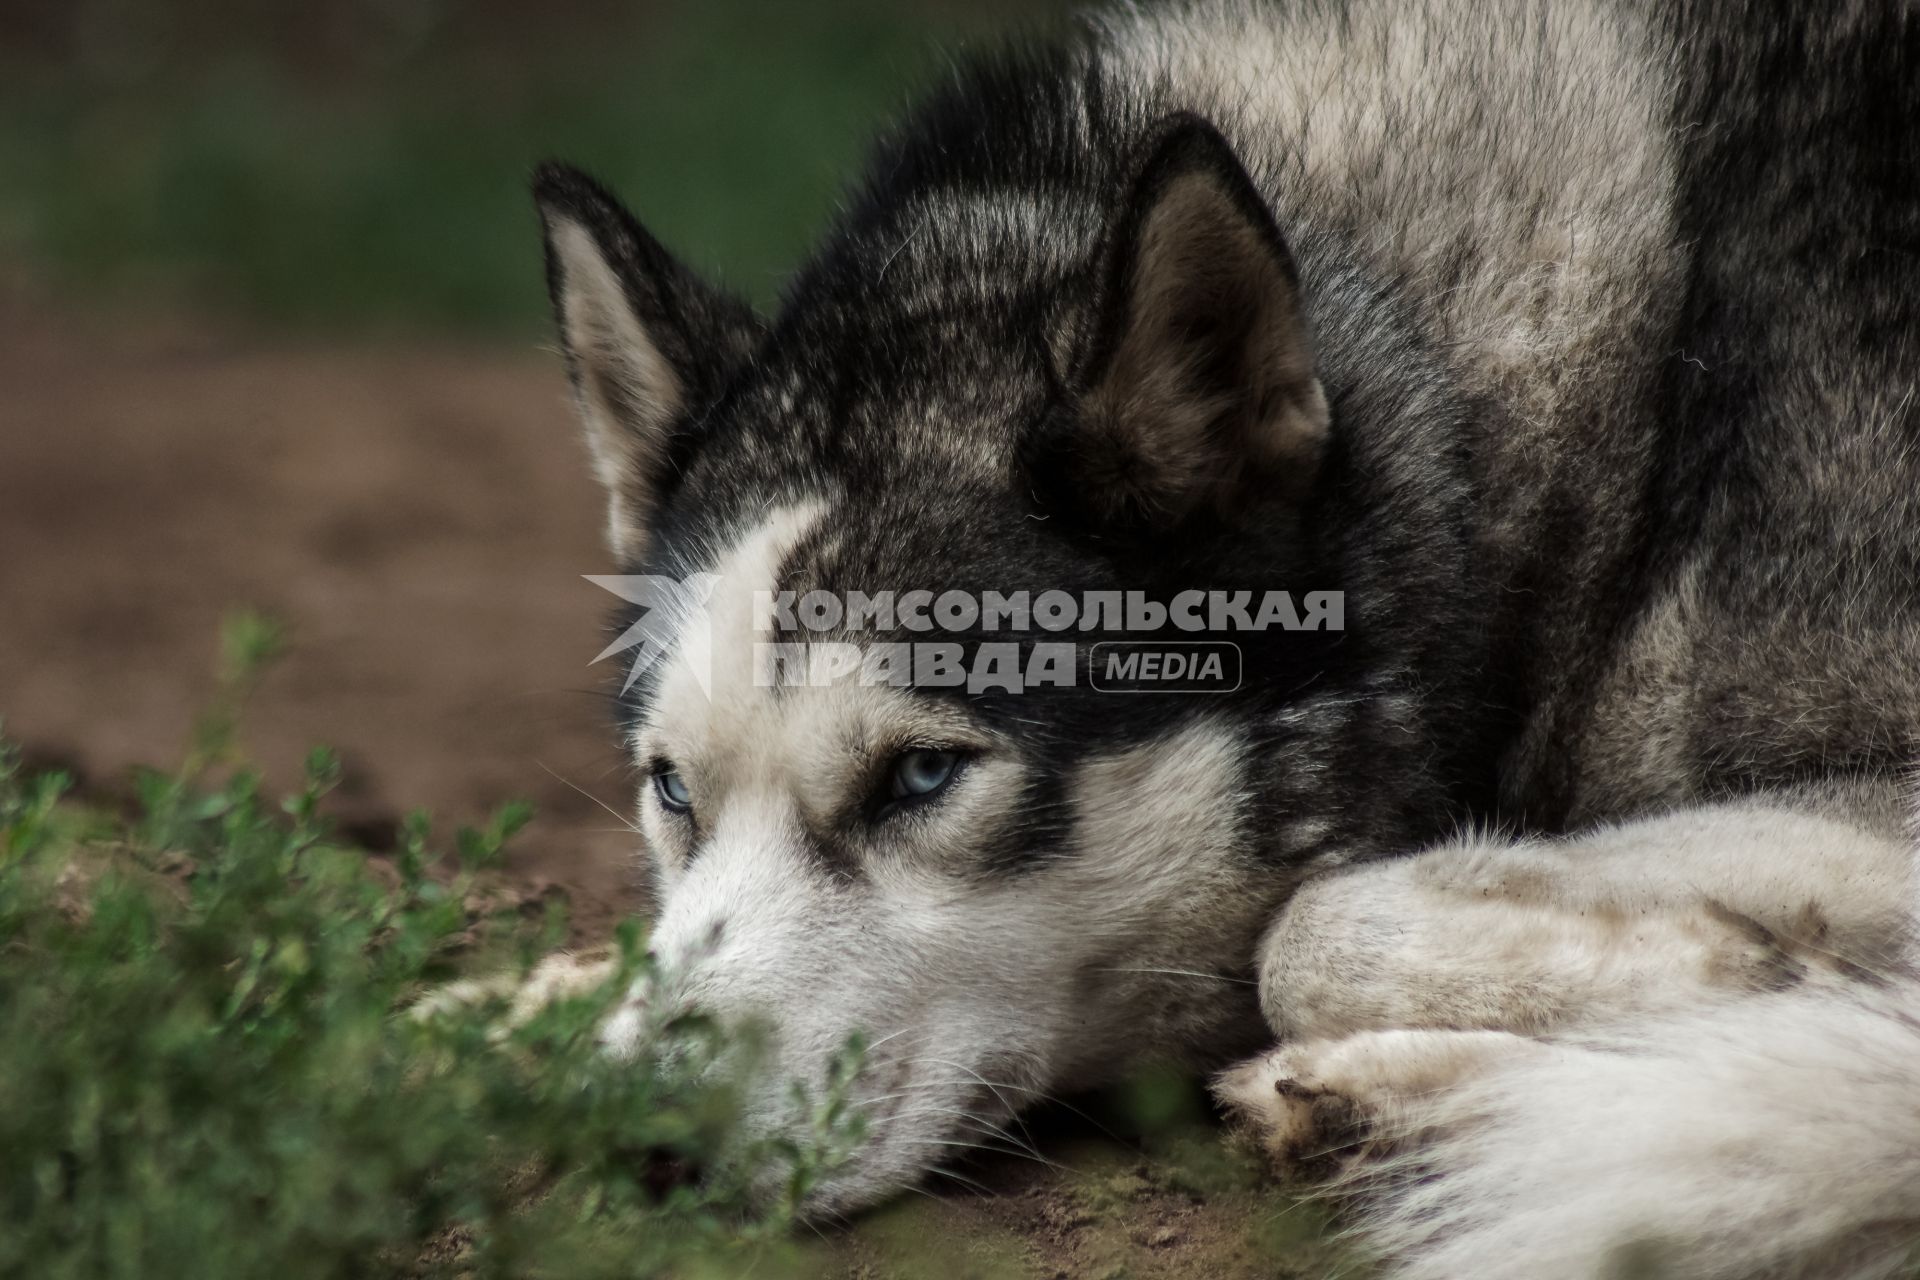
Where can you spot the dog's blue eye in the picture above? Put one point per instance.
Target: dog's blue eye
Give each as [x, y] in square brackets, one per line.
[919, 774]
[672, 789]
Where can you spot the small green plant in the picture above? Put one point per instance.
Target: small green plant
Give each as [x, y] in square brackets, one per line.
[210, 1067]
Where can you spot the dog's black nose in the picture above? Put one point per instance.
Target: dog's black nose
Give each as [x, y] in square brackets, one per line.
[662, 1170]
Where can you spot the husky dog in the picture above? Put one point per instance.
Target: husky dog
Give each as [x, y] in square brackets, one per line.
[1575, 344]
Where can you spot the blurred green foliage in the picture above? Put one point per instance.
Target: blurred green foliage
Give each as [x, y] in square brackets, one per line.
[362, 163]
[209, 1067]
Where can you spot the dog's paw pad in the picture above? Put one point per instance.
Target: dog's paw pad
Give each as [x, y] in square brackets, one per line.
[1305, 1126]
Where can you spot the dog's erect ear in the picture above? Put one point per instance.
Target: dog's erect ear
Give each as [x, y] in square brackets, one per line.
[648, 343]
[1190, 372]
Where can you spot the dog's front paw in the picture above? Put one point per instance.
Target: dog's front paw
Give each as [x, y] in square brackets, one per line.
[1307, 1126]
[555, 978]
[1320, 1106]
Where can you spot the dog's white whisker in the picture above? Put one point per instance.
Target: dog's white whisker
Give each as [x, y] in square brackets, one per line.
[981, 1188]
[1025, 1146]
[1183, 973]
[626, 824]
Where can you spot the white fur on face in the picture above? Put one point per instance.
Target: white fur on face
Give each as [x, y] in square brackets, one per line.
[784, 905]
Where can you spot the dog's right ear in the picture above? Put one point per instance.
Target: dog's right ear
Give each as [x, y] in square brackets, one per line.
[1190, 371]
[648, 343]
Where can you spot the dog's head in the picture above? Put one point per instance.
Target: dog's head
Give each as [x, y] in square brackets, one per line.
[1011, 885]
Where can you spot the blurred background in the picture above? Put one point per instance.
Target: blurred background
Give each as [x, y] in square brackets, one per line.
[273, 334]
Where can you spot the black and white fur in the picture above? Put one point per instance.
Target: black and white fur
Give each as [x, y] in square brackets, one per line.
[1576, 344]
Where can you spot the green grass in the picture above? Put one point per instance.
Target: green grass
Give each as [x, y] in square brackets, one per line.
[209, 1067]
[390, 192]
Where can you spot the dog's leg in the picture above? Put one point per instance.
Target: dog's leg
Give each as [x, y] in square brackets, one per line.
[1507, 937]
[1536, 935]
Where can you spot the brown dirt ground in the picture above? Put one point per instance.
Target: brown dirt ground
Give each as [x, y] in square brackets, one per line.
[420, 519]
[1178, 1207]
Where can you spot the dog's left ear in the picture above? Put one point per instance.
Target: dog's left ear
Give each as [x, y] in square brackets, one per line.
[1191, 372]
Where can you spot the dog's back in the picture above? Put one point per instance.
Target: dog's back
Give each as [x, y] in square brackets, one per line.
[1673, 253]
[1771, 630]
